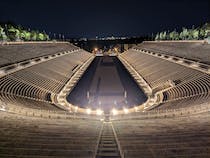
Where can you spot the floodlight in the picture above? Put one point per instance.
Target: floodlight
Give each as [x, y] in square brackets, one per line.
[88, 111]
[136, 108]
[125, 110]
[99, 112]
[75, 108]
[114, 112]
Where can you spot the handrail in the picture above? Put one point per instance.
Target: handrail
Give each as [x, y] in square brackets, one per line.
[117, 140]
[98, 140]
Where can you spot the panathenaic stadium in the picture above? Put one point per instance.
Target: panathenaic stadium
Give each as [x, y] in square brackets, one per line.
[59, 101]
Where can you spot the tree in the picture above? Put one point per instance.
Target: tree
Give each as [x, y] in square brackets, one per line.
[190, 34]
[174, 35]
[202, 33]
[184, 34]
[157, 37]
[34, 35]
[13, 33]
[46, 37]
[195, 34]
[23, 35]
[161, 36]
[40, 37]
[3, 36]
[164, 35]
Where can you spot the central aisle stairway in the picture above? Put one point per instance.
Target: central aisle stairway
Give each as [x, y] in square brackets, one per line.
[108, 146]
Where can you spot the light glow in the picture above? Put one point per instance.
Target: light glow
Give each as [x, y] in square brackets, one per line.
[2, 108]
[136, 108]
[75, 108]
[114, 112]
[99, 112]
[88, 111]
[125, 110]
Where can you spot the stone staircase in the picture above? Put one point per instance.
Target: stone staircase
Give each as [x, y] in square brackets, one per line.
[108, 147]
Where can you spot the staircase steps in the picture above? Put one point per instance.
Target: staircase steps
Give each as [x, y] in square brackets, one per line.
[108, 147]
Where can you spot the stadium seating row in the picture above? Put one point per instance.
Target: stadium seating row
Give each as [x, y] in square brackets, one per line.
[45, 134]
[176, 82]
[168, 137]
[13, 53]
[23, 137]
[182, 49]
[43, 81]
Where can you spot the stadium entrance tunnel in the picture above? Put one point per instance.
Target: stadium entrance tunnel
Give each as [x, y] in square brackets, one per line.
[105, 85]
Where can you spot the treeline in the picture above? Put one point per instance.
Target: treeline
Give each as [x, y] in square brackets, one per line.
[193, 33]
[10, 32]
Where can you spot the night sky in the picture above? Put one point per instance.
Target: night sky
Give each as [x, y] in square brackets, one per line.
[90, 18]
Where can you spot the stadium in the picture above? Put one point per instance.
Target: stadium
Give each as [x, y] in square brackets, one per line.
[147, 99]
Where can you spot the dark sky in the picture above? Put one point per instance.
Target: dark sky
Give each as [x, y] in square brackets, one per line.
[90, 18]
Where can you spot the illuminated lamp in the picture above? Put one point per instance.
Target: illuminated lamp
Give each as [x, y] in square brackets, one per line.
[114, 112]
[99, 112]
[136, 108]
[88, 111]
[75, 108]
[125, 110]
